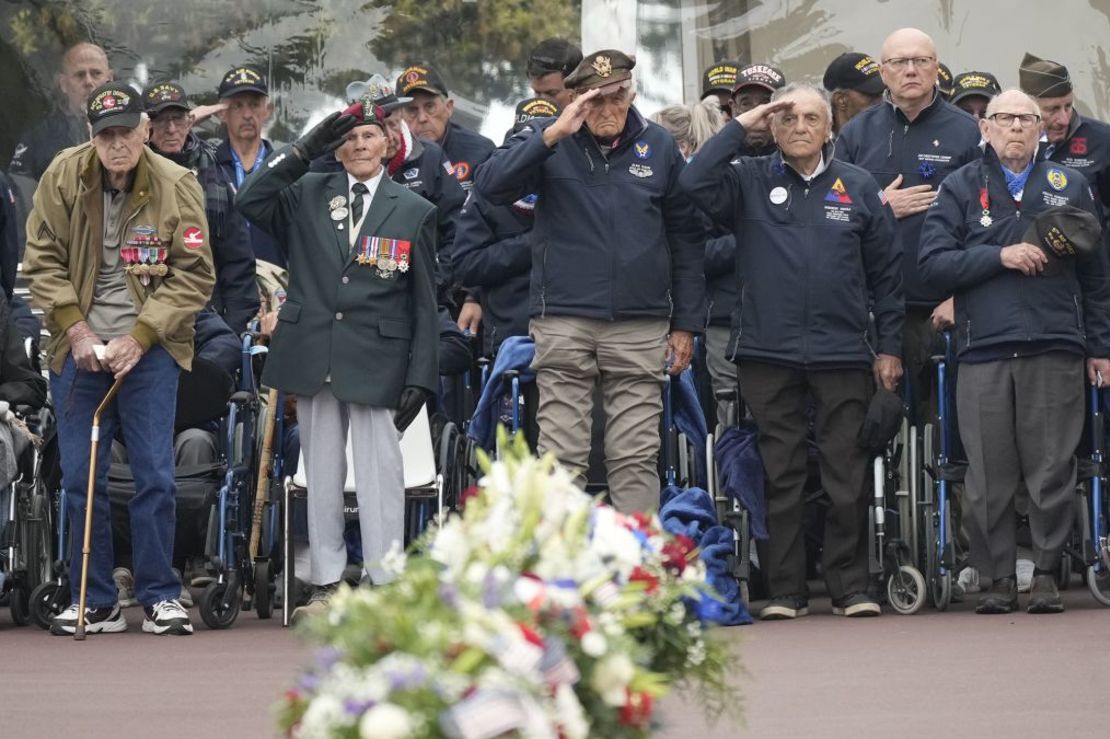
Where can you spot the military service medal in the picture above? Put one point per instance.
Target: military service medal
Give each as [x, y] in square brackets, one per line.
[389, 256]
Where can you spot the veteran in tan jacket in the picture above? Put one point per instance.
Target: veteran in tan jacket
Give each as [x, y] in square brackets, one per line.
[118, 259]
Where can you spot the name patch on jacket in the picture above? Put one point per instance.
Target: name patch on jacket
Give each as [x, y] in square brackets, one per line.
[389, 256]
[640, 170]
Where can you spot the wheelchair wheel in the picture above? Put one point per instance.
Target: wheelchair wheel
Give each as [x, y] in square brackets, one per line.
[905, 590]
[19, 603]
[219, 604]
[1099, 585]
[942, 591]
[1063, 572]
[263, 589]
[47, 601]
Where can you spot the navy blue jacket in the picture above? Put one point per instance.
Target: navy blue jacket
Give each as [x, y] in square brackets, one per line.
[493, 255]
[939, 141]
[1087, 149]
[1068, 302]
[454, 349]
[263, 245]
[813, 256]
[235, 296]
[9, 237]
[615, 238]
[466, 150]
[215, 342]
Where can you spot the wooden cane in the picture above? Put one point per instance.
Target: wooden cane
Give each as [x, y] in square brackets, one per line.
[262, 490]
[86, 548]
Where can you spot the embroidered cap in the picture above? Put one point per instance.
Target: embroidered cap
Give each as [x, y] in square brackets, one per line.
[113, 104]
[602, 69]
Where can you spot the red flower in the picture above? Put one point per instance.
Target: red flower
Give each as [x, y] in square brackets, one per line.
[530, 635]
[580, 622]
[470, 492]
[641, 575]
[642, 520]
[636, 712]
[292, 696]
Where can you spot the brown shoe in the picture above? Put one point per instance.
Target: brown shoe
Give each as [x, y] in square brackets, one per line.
[317, 603]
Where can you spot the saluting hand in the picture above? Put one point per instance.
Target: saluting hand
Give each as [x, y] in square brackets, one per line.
[570, 120]
[908, 201]
[759, 117]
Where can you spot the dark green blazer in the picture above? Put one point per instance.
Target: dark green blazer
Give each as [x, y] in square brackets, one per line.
[372, 335]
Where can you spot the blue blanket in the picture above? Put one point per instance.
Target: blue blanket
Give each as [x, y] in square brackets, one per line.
[740, 473]
[690, 420]
[516, 353]
[690, 511]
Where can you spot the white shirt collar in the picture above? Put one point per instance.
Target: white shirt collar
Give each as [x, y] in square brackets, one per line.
[371, 184]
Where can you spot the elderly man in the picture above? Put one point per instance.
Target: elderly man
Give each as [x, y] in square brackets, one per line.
[617, 282]
[1027, 315]
[854, 83]
[356, 338]
[84, 67]
[429, 116]
[235, 298]
[971, 91]
[548, 66]
[1074, 140]
[909, 144]
[247, 107]
[118, 254]
[816, 247]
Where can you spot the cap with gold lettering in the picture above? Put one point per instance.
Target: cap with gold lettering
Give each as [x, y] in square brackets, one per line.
[602, 69]
[243, 79]
[421, 77]
[968, 84]
[718, 77]
[531, 108]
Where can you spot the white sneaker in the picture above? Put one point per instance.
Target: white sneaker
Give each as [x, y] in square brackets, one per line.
[125, 585]
[969, 580]
[97, 621]
[1024, 575]
[167, 617]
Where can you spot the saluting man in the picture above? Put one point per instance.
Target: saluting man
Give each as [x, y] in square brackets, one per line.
[356, 338]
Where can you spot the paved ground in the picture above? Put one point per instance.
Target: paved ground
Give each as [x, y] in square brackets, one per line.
[934, 674]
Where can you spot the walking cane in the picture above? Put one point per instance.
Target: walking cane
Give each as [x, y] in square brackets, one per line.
[261, 493]
[79, 633]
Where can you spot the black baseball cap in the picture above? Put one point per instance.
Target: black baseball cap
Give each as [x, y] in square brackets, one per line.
[944, 80]
[531, 108]
[967, 84]
[157, 98]
[719, 77]
[243, 79]
[761, 75]
[421, 77]
[854, 71]
[554, 55]
[113, 104]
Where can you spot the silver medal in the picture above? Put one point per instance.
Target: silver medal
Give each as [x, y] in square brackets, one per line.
[339, 214]
[986, 221]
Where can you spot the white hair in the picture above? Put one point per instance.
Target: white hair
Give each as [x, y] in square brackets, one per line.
[794, 87]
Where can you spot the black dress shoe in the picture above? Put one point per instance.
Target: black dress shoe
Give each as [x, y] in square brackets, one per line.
[1043, 595]
[1001, 598]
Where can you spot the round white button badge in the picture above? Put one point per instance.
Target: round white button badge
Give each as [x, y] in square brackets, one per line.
[778, 195]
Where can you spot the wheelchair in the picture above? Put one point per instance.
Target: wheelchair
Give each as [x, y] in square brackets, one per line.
[1089, 545]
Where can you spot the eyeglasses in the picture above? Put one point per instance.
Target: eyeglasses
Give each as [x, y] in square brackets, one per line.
[1025, 120]
[902, 62]
[165, 119]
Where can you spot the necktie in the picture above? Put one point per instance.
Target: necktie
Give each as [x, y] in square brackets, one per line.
[357, 191]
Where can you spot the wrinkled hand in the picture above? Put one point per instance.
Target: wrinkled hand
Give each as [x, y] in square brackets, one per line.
[325, 136]
[412, 400]
[82, 345]
[944, 315]
[908, 201]
[1025, 258]
[122, 354]
[759, 117]
[470, 318]
[887, 370]
[570, 120]
[1098, 371]
[680, 350]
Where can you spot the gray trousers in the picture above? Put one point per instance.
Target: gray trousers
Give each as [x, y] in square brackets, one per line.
[628, 355]
[379, 482]
[721, 371]
[1020, 419]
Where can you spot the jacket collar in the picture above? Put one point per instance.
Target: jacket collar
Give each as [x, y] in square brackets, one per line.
[780, 166]
[634, 127]
[92, 173]
[936, 104]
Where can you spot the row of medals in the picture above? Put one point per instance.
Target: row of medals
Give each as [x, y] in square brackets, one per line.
[386, 267]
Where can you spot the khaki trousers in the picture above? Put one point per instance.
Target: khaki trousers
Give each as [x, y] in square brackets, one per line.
[627, 356]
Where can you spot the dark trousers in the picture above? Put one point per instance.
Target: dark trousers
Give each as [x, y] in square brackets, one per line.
[777, 396]
[1021, 419]
[144, 412]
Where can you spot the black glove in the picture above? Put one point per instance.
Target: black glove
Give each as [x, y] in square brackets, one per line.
[412, 400]
[325, 136]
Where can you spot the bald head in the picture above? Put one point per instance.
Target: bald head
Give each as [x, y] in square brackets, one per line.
[84, 68]
[1012, 101]
[1012, 128]
[909, 69]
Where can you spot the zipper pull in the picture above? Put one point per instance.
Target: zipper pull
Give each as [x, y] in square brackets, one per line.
[606, 167]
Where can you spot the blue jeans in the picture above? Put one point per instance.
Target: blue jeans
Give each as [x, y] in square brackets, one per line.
[144, 411]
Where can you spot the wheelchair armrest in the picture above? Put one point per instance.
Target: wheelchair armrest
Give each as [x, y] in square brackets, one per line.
[510, 375]
[484, 361]
[724, 395]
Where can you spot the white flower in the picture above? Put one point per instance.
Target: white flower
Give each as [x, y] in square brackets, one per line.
[594, 644]
[611, 677]
[569, 714]
[451, 546]
[696, 654]
[386, 721]
[323, 718]
[393, 561]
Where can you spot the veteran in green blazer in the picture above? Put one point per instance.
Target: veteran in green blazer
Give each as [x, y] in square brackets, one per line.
[357, 336]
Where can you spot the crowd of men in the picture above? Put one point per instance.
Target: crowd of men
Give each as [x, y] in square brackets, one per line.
[817, 237]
